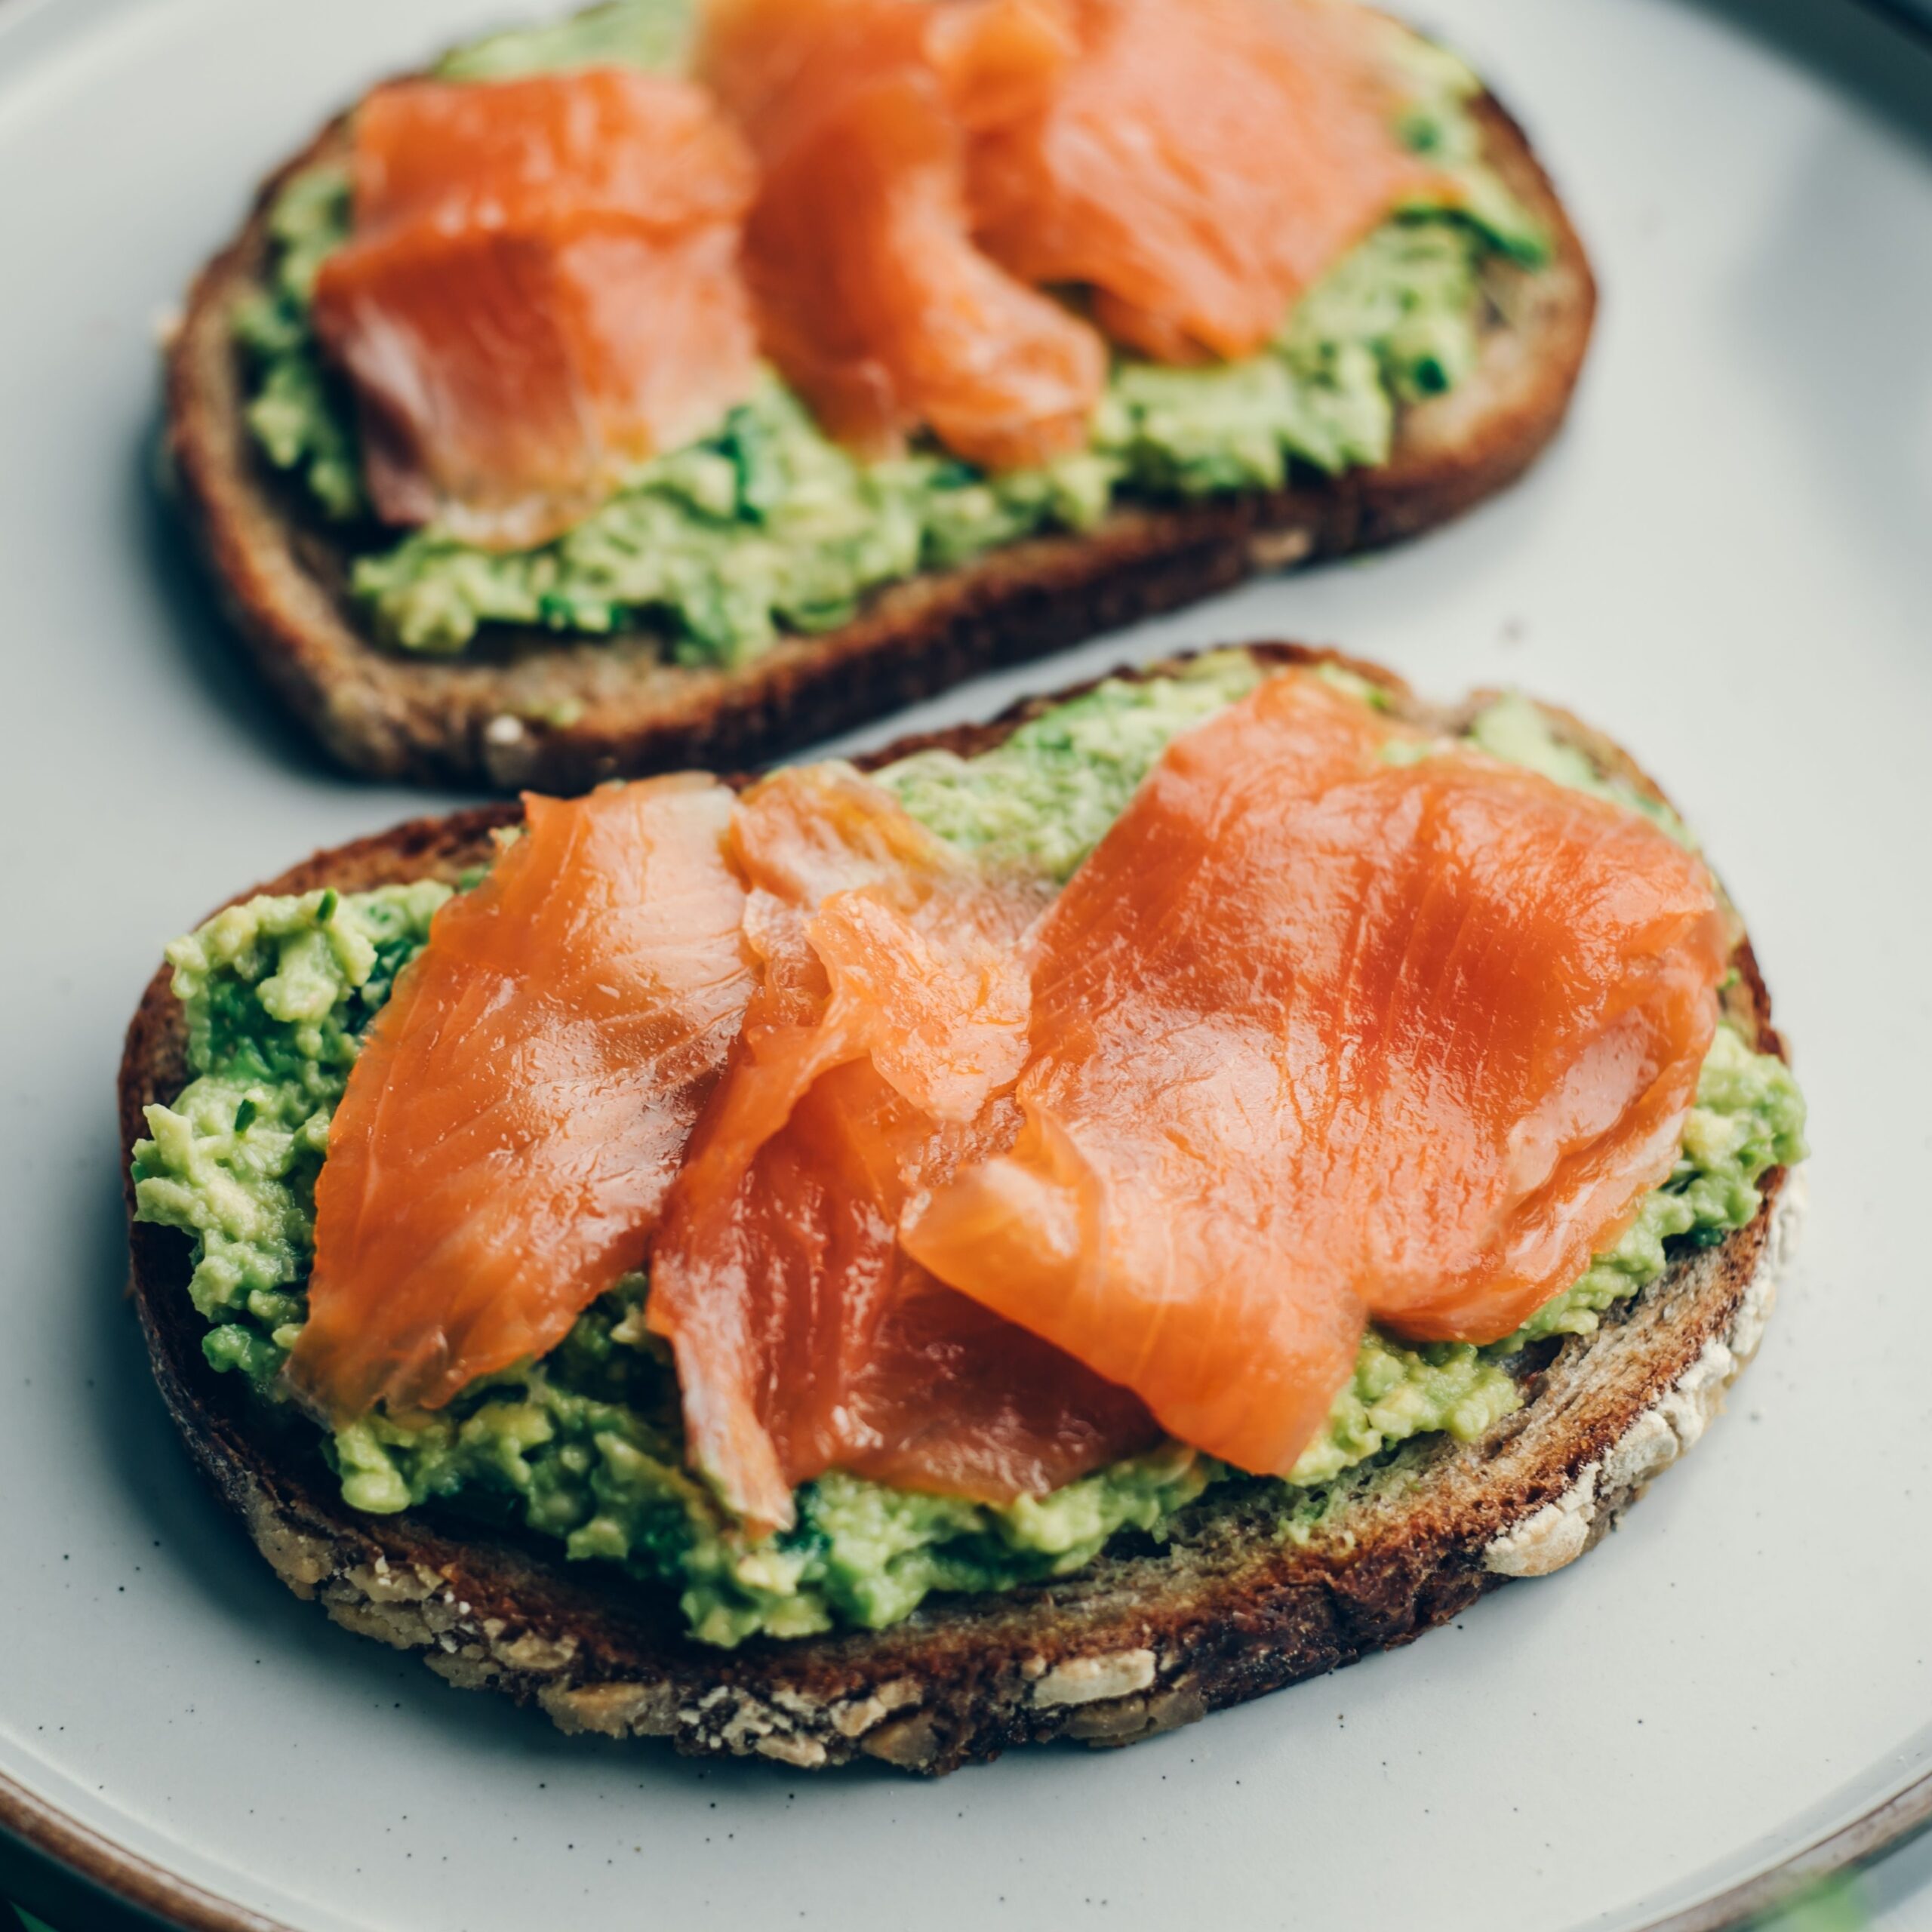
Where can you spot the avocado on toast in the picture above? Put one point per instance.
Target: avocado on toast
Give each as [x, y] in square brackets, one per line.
[1430, 369]
[1450, 1473]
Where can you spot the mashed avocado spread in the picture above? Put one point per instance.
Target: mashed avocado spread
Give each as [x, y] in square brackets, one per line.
[767, 525]
[586, 1445]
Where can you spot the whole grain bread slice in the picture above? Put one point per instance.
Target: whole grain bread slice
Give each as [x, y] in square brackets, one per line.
[282, 570]
[1149, 1637]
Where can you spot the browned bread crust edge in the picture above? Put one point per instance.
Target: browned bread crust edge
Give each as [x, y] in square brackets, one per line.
[281, 572]
[1147, 1637]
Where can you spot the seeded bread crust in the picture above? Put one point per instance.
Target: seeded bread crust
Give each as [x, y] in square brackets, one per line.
[281, 570]
[1149, 1637]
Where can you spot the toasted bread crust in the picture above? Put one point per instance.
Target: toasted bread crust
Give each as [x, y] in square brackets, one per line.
[282, 572]
[1147, 1637]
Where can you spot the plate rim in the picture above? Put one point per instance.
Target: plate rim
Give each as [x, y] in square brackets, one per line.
[81, 1852]
[134, 1879]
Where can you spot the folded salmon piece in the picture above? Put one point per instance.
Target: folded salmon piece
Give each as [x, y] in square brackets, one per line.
[522, 1101]
[542, 289]
[873, 299]
[1197, 166]
[945, 1182]
[1315, 1036]
[890, 1012]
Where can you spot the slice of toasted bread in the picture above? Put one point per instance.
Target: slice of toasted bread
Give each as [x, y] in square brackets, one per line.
[1147, 1637]
[283, 572]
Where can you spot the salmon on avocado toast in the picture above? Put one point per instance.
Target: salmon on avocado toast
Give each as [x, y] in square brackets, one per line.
[541, 290]
[1077, 1222]
[667, 384]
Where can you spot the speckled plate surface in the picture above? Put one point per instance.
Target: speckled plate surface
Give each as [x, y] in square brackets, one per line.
[1727, 564]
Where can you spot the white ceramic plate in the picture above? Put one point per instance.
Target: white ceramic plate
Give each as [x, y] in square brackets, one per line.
[1728, 563]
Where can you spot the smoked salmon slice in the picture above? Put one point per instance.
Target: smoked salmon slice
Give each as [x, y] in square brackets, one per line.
[930, 166]
[891, 1010]
[872, 297]
[1315, 1036]
[542, 289]
[949, 1183]
[1197, 163]
[512, 1123]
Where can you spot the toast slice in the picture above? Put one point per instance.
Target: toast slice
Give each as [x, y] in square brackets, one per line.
[1149, 1637]
[282, 570]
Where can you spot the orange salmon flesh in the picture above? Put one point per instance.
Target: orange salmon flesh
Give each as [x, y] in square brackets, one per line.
[938, 219]
[542, 289]
[943, 1180]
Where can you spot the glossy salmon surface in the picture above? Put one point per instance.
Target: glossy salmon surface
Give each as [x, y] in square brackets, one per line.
[891, 1011]
[873, 298]
[521, 1102]
[1315, 1036]
[1179, 174]
[946, 1181]
[932, 215]
[1196, 166]
[542, 288]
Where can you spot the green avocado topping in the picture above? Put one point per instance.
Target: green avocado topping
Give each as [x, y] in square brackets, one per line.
[586, 1445]
[1042, 800]
[767, 525]
[653, 34]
